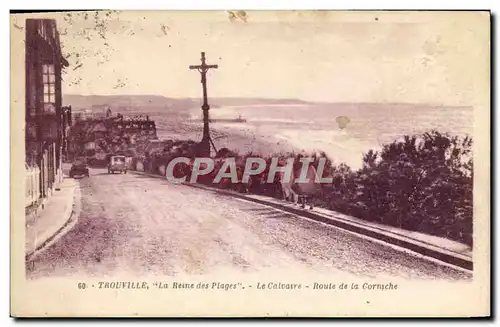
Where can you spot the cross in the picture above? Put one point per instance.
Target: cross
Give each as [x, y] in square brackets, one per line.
[206, 140]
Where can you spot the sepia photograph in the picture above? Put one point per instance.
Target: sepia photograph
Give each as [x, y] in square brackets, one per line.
[250, 163]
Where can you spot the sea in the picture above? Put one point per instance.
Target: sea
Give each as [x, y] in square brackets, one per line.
[345, 131]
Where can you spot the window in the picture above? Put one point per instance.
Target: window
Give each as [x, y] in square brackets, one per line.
[49, 89]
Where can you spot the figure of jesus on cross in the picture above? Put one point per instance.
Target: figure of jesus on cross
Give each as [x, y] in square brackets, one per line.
[206, 140]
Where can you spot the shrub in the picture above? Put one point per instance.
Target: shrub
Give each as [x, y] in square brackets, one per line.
[421, 183]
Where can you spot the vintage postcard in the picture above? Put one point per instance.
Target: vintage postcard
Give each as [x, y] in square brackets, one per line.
[250, 164]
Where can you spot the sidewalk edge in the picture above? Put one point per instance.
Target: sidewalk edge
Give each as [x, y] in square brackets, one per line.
[401, 241]
[72, 218]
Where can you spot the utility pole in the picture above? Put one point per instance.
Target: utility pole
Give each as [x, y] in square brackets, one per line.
[206, 140]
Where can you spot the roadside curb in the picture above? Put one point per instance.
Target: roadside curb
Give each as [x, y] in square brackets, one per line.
[70, 212]
[411, 244]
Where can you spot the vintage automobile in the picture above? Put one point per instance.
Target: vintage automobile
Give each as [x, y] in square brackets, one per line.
[79, 168]
[117, 163]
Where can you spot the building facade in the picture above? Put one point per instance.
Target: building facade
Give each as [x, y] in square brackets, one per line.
[46, 120]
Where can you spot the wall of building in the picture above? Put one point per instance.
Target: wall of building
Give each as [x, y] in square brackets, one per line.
[44, 116]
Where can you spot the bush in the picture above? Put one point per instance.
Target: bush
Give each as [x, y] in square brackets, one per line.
[422, 183]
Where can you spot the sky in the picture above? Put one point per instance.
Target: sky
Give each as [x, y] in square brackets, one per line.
[439, 58]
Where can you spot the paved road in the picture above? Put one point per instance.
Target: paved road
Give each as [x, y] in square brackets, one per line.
[138, 225]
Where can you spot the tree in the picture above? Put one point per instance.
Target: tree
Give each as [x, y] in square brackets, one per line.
[421, 183]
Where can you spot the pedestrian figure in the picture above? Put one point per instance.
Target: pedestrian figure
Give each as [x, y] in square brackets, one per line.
[307, 190]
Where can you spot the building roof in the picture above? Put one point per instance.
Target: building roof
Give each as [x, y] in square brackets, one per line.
[46, 31]
[100, 127]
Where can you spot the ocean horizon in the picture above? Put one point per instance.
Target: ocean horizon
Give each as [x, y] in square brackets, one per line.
[315, 127]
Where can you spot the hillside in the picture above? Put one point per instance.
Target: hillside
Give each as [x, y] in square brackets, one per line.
[156, 103]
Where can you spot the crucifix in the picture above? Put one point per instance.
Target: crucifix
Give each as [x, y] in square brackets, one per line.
[206, 140]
